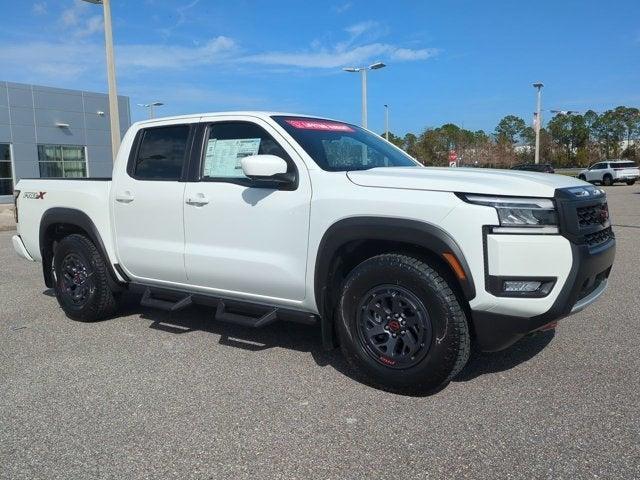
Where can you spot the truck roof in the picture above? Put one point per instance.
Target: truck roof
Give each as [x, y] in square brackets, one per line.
[252, 113]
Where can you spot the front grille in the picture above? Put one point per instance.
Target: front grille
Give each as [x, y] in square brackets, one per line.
[592, 215]
[596, 238]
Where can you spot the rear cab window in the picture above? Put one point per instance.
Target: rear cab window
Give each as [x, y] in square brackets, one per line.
[160, 153]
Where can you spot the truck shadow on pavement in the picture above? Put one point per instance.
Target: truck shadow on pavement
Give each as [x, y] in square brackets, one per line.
[306, 338]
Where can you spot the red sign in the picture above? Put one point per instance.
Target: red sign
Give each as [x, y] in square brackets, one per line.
[453, 156]
[320, 125]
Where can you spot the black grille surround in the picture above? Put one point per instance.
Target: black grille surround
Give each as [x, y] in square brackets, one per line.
[583, 221]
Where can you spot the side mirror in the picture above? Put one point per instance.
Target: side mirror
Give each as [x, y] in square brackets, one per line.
[264, 167]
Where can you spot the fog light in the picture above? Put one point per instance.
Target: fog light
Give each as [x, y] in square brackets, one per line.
[521, 286]
[528, 287]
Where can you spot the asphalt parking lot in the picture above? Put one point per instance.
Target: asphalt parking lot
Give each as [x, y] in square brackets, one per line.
[154, 395]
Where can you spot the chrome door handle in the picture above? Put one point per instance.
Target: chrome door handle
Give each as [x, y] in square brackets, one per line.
[198, 200]
[125, 197]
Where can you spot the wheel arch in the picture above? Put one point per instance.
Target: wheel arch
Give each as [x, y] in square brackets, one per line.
[350, 241]
[57, 223]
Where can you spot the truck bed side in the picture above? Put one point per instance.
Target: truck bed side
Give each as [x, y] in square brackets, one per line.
[39, 196]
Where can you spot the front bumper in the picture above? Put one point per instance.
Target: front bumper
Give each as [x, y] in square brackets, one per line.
[586, 228]
[586, 282]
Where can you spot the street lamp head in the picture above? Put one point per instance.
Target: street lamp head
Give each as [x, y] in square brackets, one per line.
[538, 85]
[157, 104]
[351, 69]
[97, 2]
[376, 66]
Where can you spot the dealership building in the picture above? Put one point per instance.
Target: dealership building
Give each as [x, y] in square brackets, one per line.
[54, 133]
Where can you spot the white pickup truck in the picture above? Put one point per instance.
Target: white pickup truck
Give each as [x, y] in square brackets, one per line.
[271, 217]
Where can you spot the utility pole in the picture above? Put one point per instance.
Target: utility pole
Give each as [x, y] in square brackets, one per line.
[114, 115]
[363, 75]
[386, 122]
[538, 124]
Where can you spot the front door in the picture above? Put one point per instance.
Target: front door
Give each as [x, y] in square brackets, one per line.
[147, 201]
[243, 239]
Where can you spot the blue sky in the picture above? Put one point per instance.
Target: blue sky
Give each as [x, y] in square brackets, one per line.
[468, 62]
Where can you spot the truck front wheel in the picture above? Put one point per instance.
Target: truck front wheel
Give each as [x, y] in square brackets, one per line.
[81, 283]
[401, 326]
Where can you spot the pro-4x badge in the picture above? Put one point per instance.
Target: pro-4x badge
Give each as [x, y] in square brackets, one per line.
[35, 195]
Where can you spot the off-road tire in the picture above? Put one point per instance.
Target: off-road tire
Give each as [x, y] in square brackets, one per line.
[448, 349]
[100, 301]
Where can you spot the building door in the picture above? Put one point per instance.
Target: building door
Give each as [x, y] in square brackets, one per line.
[6, 172]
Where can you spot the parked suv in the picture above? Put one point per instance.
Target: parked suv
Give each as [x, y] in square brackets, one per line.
[534, 167]
[270, 217]
[611, 171]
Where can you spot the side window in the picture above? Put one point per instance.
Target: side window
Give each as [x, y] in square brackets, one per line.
[161, 153]
[229, 142]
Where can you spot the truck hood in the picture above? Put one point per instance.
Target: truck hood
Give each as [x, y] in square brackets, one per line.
[466, 180]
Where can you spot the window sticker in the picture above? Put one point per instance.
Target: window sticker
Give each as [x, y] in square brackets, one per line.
[223, 157]
[320, 125]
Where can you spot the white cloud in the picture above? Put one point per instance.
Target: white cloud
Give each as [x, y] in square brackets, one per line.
[217, 49]
[343, 7]
[76, 22]
[358, 29]
[39, 8]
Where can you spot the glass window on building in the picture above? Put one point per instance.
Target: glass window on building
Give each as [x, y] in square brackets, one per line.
[6, 178]
[62, 161]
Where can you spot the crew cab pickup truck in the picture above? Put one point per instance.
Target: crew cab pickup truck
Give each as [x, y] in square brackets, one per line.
[271, 217]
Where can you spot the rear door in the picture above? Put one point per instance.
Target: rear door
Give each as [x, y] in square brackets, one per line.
[147, 203]
[245, 239]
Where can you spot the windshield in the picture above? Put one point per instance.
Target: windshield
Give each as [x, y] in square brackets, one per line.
[339, 147]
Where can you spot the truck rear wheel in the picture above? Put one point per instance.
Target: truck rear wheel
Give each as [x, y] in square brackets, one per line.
[81, 283]
[401, 326]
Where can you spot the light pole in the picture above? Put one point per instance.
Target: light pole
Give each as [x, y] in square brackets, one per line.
[151, 106]
[114, 116]
[363, 73]
[538, 86]
[386, 122]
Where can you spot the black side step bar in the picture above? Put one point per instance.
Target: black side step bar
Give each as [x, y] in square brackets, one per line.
[246, 321]
[167, 305]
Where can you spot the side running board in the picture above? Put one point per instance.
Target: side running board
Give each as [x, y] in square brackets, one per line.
[245, 320]
[167, 305]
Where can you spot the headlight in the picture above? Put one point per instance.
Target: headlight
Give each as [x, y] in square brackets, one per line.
[519, 212]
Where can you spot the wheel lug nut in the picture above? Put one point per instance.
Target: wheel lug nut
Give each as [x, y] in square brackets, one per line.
[393, 335]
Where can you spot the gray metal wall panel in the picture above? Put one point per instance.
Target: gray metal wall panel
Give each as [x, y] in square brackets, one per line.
[21, 116]
[101, 169]
[5, 134]
[98, 137]
[99, 154]
[19, 97]
[4, 102]
[23, 134]
[58, 101]
[61, 136]
[4, 115]
[49, 118]
[96, 122]
[94, 103]
[25, 160]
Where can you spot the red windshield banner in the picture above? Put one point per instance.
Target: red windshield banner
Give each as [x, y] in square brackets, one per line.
[320, 125]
